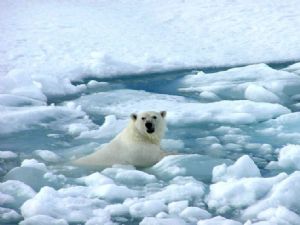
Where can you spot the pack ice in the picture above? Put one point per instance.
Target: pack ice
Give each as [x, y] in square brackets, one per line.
[227, 73]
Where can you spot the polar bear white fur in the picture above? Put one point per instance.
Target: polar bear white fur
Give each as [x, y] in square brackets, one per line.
[138, 144]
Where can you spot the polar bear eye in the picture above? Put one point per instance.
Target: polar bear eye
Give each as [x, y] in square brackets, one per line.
[143, 118]
[154, 117]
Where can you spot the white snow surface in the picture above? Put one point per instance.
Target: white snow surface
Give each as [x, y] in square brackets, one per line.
[45, 45]
[72, 72]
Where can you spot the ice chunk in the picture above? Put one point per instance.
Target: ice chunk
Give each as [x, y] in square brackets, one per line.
[180, 110]
[258, 93]
[177, 207]
[96, 84]
[283, 129]
[209, 96]
[99, 221]
[76, 129]
[181, 189]
[289, 157]
[111, 127]
[243, 167]
[112, 192]
[198, 166]
[14, 119]
[95, 179]
[34, 164]
[6, 199]
[43, 220]
[101, 217]
[8, 216]
[34, 177]
[147, 208]
[47, 155]
[162, 221]
[17, 83]
[218, 220]
[279, 215]
[15, 192]
[129, 176]
[58, 205]
[162, 42]
[135, 177]
[172, 145]
[258, 83]
[294, 68]
[117, 210]
[235, 194]
[194, 214]
[15, 100]
[7, 155]
[284, 193]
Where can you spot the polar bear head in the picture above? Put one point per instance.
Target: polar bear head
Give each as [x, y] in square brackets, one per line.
[150, 124]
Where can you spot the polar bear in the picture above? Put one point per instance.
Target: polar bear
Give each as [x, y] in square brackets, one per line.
[138, 144]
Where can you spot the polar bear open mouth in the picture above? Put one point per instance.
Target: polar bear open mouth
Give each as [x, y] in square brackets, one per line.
[150, 131]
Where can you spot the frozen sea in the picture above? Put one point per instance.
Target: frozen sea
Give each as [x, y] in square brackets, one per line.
[227, 73]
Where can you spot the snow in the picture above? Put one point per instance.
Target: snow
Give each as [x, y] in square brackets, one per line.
[44, 51]
[227, 73]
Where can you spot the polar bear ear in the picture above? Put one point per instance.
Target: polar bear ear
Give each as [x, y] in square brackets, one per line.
[163, 114]
[133, 116]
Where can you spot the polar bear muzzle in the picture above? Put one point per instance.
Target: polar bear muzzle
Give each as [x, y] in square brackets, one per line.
[150, 127]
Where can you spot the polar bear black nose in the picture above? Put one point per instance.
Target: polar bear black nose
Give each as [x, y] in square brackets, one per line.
[148, 125]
